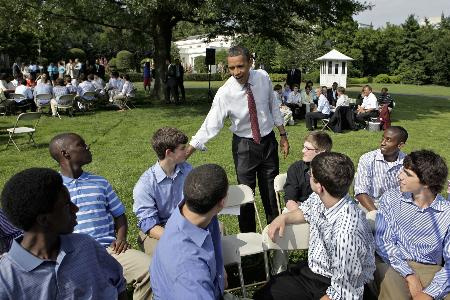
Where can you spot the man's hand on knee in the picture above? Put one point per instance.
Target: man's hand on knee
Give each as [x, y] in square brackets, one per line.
[414, 284]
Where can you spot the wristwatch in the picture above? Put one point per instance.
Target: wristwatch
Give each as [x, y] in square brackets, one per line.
[284, 134]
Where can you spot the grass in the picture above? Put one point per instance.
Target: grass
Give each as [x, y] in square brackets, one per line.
[121, 149]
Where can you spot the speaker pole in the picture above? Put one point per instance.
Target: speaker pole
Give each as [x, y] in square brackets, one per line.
[210, 94]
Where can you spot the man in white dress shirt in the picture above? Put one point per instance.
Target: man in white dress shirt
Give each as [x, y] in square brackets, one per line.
[341, 258]
[369, 108]
[247, 99]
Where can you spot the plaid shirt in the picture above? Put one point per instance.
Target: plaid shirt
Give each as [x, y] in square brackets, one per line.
[7, 233]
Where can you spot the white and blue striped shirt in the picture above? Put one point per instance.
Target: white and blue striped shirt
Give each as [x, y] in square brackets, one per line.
[98, 204]
[406, 232]
[375, 175]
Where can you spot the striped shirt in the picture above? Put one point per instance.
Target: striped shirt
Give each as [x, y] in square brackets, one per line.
[375, 175]
[406, 232]
[98, 206]
[82, 270]
[8, 233]
[341, 246]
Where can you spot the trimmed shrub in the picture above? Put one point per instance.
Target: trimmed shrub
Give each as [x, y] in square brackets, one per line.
[124, 60]
[276, 77]
[202, 77]
[199, 64]
[313, 76]
[382, 78]
[395, 79]
[113, 64]
[76, 53]
[362, 80]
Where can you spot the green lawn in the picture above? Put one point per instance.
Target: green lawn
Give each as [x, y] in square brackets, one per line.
[121, 149]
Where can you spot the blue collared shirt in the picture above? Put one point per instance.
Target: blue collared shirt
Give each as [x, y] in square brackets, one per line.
[188, 262]
[8, 233]
[405, 232]
[375, 175]
[323, 106]
[82, 270]
[98, 206]
[156, 195]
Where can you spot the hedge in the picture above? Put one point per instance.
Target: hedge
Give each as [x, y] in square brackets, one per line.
[76, 53]
[204, 76]
[382, 78]
[124, 60]
[313, 76]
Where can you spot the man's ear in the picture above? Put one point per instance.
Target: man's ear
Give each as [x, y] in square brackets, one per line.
[222, 203]
[65, 154]
[401, 145]
[42, 220]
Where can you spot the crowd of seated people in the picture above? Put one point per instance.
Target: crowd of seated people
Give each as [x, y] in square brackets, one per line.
[33, 82]
[70, 228]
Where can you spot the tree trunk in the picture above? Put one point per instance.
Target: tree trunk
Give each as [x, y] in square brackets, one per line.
[162, 39]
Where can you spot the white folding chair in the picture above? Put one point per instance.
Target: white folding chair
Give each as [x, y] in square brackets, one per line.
[325, 124]
[231, 256]
[248, 243]
[65, 102]
[17, 130]
[278, 185]
[295, 237]
[42, 100]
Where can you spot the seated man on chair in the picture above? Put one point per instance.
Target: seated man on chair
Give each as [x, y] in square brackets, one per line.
[412, 236]
[341, 246]
[369, 107]
[101, 214]
[297, 188]
[188, 262]
[378, 169]
[160, 189]
[321, 112]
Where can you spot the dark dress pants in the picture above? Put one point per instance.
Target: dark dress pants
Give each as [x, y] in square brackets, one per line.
[253, 161]
[298, 283]
[312, 117]
[180, 85]
[363, 117]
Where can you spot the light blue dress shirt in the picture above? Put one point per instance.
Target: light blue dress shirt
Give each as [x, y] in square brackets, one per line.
[405, 232]
[156, 195]
[323, 106]
[188, 262]
[82, 270]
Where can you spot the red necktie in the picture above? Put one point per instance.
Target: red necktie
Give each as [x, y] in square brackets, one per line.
[253, 115]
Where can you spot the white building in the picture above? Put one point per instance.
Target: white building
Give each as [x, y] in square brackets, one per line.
[333, 68]
[195, 46]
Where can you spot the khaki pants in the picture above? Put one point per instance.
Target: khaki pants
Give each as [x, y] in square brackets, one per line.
[135, 266]
[146, 243]
[391, 285]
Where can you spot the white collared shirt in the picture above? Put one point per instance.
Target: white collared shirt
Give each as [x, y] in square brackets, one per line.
[231, 101]
[341, 246]
[370, 102]
[323, 105]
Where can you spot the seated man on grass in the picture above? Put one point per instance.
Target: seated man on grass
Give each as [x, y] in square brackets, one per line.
[101, 213]
[322, 111]
[160, 189]
[412, 232]
[188, 262]
[341, 247]
[48, 261]
[297, 188]
[378, 169]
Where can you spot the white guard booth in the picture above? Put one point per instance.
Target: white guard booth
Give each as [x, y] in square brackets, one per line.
[333, 68]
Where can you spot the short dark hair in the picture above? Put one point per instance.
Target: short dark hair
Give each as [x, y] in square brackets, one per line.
[30, 193]
[429, 167]
[204, 187]
[401, 132]
[385, 89]
[295, 85]
[167, 138]
[335, 171]
[277, 87]
[341, 89]
[23, 82]
[58, 142]
[90, 76]
[320, 140]
[60, 81]
[115, 74]
[239, 50]
[126, 77]
[367, 86]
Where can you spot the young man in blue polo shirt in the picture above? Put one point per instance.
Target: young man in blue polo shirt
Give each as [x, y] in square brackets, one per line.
[48, 261]
[101, 213]
[188, 262]
[160, 189]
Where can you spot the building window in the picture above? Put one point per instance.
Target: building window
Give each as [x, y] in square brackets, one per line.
[330, 67]
[336, 69]
[343, 67]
